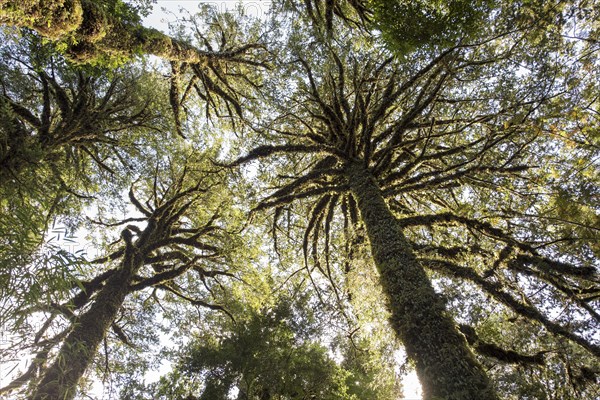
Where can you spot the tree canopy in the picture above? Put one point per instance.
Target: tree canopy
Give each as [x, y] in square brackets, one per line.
[301, 205]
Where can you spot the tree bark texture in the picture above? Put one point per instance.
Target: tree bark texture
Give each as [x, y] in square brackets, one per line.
[94, 32]
[445, 365]
[60, 380]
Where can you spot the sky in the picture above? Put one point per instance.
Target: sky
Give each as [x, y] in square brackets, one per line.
[162, 8]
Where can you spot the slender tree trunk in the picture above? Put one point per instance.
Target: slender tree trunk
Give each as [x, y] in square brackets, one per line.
[79, 348]
[97, 33]
[445, 365]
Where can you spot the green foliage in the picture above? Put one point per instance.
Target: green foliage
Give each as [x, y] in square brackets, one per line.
[409, 25]
[271, 353]
[478, 122]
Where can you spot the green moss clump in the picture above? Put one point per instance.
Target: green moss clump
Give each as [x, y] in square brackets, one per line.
[95, 24]
[54, 19]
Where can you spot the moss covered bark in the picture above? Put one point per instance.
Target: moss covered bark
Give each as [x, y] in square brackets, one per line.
[93, 34]
[445, 365]
[51, 18]
[79, 348]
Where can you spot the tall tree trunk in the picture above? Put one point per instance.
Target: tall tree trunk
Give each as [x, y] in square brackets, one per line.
[96, 32]
[79, 348]
[445, 365]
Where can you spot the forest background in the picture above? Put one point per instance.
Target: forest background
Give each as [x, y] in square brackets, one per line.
[307, 204]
